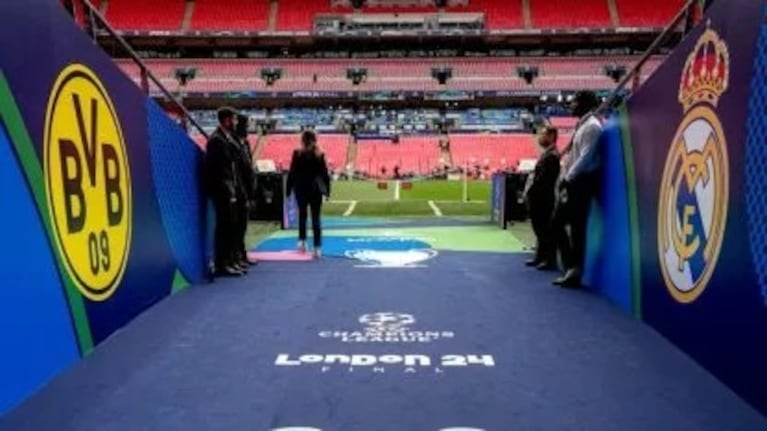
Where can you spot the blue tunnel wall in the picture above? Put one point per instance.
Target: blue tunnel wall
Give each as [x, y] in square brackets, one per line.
[678, 234]
[134, 185]
[717, 318]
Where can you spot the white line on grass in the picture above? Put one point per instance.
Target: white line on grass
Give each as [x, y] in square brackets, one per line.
[396, 190]
[435, 208]
[350, 210]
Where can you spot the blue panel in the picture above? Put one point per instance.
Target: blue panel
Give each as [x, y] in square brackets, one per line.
[36, 335]
[608, 258]
[176, 167]
[713, 307]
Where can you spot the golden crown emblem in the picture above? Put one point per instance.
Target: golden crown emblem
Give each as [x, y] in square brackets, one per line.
[706, 73]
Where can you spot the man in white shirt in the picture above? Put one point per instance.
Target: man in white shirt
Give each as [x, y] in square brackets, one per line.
[577, 187]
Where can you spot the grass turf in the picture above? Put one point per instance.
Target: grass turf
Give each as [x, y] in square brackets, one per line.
[447, 191]
[464, 209]
[360, 191]
[447, 195]
[393, 209]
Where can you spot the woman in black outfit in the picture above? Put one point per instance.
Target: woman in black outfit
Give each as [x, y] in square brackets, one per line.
[309, 180]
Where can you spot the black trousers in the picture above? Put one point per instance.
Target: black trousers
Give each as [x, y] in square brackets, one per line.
[573, 213]
[541, 219]
[225, 247]
[313, 204]
[242, 228]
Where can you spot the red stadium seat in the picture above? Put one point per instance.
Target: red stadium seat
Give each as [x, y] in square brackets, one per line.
[279, 148]
[413, 154]
[499, 14]
[567, 14]
[230, 15]
[146, 14]
[636, 13]
[298, 15]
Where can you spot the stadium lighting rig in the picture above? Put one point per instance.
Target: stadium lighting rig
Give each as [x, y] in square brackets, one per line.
[528, 73]
[270, 75]
[442, 74]
[185, 74]
[357, 75]
[616, 72]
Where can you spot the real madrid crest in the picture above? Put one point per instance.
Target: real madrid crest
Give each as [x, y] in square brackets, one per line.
[692, 212]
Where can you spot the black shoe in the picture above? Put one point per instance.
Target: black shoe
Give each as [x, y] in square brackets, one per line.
[545, 266]
[572, 283]
[533, 262]
[571, 279]
[229, 271]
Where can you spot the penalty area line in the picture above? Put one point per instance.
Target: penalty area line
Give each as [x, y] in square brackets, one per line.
[350, 209]
[435, 208]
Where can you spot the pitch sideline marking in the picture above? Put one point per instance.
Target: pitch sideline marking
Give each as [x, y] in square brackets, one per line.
[350, 209]
[435, 208]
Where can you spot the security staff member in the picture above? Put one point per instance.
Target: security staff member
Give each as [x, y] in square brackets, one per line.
[577, 187]
[541, 197]
[247, 191]
[222, 158]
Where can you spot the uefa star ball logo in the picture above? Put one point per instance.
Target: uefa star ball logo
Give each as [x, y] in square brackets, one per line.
[692, 211]
[387, 321]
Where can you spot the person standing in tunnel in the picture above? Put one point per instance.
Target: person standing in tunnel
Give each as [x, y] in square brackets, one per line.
[541, 196]
[309, 179]
[223, 181]
[577, 186]
[246, 191]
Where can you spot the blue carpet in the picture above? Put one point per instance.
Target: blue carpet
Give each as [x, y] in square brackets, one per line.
[562, 360]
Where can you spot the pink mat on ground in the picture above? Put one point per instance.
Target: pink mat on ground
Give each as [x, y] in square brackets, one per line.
[280, 256]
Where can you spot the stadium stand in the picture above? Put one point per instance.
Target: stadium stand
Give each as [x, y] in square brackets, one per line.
[230, 15]
[500, 14]
[299, 15]
[637, 13]
[386, 74]
[146, 14]
[413, 155]
[567, 14]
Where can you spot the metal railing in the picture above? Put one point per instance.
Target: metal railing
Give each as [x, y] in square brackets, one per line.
[146, 74]
[635, 71]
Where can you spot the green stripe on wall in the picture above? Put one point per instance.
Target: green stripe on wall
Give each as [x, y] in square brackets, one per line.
[25, 152]
[179, 282]
[628, 154]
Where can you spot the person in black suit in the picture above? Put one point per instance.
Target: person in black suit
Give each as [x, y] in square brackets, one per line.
[541, 197]
[224, 186]
[247, 191]
[310, 181]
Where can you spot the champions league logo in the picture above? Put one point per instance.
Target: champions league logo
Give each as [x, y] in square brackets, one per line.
[386, 327]
[692, 211]
[392, 258]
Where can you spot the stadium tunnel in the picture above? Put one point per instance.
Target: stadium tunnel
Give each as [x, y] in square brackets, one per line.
[415, 327]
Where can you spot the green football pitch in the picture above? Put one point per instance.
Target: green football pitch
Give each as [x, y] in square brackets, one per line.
[367, 199]
[433, 198]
